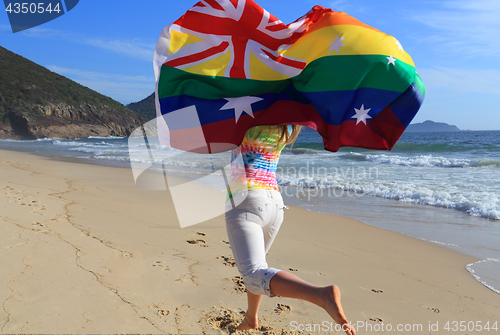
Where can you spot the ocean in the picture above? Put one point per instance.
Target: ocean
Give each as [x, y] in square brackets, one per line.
[440, 187]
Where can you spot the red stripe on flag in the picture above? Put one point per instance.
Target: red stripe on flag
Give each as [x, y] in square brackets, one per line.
[275, 28]
[293, 63]
[388, 125]
[350, 134]
[225, 135]
[239, 47]
[291, 111]
[235, 3]
[199, 56]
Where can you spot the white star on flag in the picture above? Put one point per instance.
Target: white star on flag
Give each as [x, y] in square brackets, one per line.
[241, 105]
[399, 45]
[362, 114]
[392, 60]
[336, 44]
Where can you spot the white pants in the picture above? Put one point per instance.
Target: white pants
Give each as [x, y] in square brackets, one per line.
[251, 228]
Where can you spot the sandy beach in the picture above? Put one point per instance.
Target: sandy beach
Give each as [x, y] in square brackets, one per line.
[84, 250]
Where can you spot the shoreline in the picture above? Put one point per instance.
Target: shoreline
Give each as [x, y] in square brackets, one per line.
[447, 227]
[85, 250]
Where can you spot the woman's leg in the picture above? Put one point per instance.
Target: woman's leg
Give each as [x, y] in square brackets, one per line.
[251, 235]
[251, 320]
[285, 284]
[248, 247]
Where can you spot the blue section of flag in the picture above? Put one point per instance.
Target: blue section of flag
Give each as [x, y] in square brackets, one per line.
[328, 104]
[338, 106]
[408, 105]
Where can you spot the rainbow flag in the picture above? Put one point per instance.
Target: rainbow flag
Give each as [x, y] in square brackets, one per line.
[228, 65]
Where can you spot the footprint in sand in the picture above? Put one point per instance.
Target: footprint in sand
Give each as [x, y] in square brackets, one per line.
[227, 261]
[281, 308]
[376, 320]
[159, 310]
[377, 291]
[161, 265]
[199, 234]
[225, 319]
[221, 321]
[228, 244]
[23, 201]
[201, 243]
[37, 208]
[163, 312]
[33, 203]
[268, 330]
[239, 285]
[435, 310]
[293, 270]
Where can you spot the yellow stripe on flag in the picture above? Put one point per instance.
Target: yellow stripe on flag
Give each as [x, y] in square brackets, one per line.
[214, 67]
[357, 40]
[260, 71]
[179, 40]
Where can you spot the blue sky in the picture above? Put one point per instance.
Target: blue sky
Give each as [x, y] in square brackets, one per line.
[108, 46]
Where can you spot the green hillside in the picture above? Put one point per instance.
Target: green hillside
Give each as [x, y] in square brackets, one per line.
[35, 101]
[146, 107]
[24, 83]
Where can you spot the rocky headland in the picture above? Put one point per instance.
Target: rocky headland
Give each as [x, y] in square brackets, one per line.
[37, 103]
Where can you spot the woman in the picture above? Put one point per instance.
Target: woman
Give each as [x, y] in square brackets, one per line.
[253, 224]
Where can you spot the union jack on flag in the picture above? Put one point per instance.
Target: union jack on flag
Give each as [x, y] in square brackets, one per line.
[237, 29]
[228, 65]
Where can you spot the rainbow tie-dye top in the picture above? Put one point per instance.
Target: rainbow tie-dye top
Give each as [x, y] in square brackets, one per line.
[260, 151]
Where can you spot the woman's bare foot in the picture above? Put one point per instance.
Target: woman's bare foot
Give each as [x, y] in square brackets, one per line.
[334, 308]
[248, 323]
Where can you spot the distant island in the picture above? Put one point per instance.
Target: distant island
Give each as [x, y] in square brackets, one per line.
[38, 103]
[430, 126]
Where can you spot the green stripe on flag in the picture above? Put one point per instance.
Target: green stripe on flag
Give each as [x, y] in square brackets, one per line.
[332, 73]
[419, 84]
[346, 73]
[175, 82]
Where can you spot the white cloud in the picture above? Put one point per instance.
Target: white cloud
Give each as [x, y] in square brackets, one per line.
[469, 27]
[99, 75]
[44, 32]
[122, 88]
[5, 29]
[132, 48]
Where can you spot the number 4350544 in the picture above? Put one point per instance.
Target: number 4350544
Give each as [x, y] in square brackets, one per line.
[32, 7]
[470, 326]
